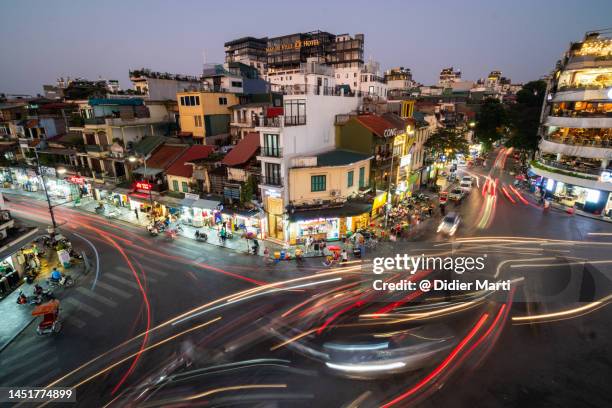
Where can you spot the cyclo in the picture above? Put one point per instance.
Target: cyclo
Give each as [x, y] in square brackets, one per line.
[50, 313]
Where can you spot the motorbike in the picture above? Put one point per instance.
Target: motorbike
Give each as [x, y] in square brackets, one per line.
[153, 231]
[201, 236]
[65, 281]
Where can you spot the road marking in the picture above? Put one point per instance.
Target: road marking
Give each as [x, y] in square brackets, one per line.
[114, 290]
[600, 233]
[97, 297]
[124, 281]
[149, 265]
[93, 285]
[85, 307]
[46, 378]
[76, 322]
[146, 272]
[38, 368]
[25, 354]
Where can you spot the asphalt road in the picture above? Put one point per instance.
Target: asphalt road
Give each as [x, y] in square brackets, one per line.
[146, 282]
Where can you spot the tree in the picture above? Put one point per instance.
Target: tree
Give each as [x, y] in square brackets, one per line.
[490, 122]
[524, 117]
[247, 190]
[447, 141]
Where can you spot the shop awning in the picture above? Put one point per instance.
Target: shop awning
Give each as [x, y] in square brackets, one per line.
[150, 171]
[349, 209]
[187, 202]
[205, 204]
[170, 202]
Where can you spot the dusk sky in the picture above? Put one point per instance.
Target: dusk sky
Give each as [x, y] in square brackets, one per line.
[42, 40]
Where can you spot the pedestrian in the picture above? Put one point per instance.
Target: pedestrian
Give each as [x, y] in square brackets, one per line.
[344, 256]
[136, 213]
[307, 243]
[430, 210]
[316, 246]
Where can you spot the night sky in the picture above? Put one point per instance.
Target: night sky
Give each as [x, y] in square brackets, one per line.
[42, 40]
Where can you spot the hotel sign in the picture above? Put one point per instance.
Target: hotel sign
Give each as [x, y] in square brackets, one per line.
[294, 45]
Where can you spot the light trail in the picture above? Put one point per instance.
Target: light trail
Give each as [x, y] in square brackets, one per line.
[443, 365]
[569, 313]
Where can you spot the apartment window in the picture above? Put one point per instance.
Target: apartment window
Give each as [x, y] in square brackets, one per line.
[349, 181]
[346, 76]
[236, 84]
[295, 112]
[371, 91]
[273, 174]
[271, 145]
[354, 75]
[197, 100]
[182, 101]
[175, 185]
[317, 183]
[361, 177]
[185, 187]
[198, 120]
[223, 101]
[192, 100]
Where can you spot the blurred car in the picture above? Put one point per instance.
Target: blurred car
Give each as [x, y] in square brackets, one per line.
[456, 194]
[449, 224]
[466, 183]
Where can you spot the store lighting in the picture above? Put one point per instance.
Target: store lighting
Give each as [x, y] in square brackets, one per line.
[61, 170]
[132, 159]
[610, 93]
[592, 196]
[550, 183]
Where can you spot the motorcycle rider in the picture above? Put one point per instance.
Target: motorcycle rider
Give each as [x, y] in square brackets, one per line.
[56, 275]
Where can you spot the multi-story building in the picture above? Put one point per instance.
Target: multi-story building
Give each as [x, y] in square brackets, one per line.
[399, 82]
[305, 126]
[112, 127]
[323, 195]
[234, 77]
[250, 51]
[575, 153]
[448, 76]
[159, 86]
[205, 115]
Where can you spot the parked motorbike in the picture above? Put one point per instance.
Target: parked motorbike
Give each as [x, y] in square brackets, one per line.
[201, 236]
[65, 281]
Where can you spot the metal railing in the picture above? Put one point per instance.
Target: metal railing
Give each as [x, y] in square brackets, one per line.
[272, 181]
[295, 120]
[579, 141]
[578, 168]
[270, 151]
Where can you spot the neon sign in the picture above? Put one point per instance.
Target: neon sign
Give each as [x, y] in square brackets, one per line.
[143, 185]
[77, 179]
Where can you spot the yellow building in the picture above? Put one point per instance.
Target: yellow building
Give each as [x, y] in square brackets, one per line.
[320, 188]
[205, 114]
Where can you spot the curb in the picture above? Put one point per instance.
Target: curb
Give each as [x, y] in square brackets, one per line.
[5, 345]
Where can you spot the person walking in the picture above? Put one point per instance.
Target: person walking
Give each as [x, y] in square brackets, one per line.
[136, 213]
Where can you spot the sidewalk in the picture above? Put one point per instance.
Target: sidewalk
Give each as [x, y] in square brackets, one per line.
[564, 208]
[15, 317]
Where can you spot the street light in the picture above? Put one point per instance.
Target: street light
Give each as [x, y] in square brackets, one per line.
[54, 224]
[60, 170]
[472, 124]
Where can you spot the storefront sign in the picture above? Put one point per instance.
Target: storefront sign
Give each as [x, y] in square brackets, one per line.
[379, 201]
[294, 45]
[77, 180]
[405, 160]
[47, 171]
[192, 196]
[605, 177]
[391, 132]
[143, 185]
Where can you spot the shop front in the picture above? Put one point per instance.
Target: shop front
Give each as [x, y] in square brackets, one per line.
[200, 213]
[246, 221]
[598, 202]
[21, 179]
[328, 224]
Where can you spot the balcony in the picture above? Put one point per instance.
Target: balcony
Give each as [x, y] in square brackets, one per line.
[269, 151]
[94, 121]
[569, 146]
[272, 181]
[295, 120]
[581, 122]
[546, 169]
[96, 151]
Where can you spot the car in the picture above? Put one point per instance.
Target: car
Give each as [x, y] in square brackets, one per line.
[449, 224]
[456, 194]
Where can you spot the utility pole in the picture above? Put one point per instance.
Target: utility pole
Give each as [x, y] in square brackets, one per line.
[45, 190]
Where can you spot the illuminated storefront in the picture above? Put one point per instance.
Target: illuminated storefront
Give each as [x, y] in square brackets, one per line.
[585, 199]
[200, 213]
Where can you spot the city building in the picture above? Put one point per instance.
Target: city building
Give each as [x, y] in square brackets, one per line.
[250, 51]
[385, 138]
[180, 174]
[243, 169]
[204, 115]
[448, 76]
[234, 77]
[304, 126]
[161, 86]
[574, 162]
[323, 195]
